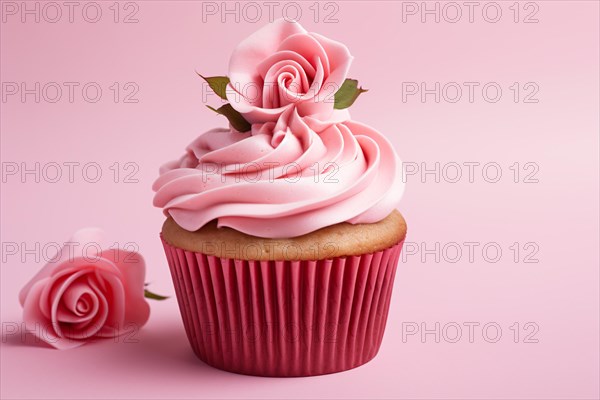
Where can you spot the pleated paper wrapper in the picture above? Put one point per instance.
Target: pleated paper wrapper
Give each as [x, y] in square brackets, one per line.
[284, 318]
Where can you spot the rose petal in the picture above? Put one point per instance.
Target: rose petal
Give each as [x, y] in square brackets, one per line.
[257, 47]
[307, 47]
[276, 93]
[111, 317]
[318, 102]
[73, 270]
[287, 56]
[339, 58]
[132, 266]
[88, 329]
[69, 311]
[54, 298]
[38, 324]
[69, 252]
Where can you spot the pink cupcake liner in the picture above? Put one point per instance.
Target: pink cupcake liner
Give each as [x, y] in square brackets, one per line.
[284, 318]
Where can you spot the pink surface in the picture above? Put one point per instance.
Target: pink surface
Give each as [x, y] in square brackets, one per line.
[548, 212]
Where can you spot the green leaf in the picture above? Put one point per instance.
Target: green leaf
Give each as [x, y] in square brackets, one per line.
[149, 295]
[347, 94]
[218, 84]
[236, 119]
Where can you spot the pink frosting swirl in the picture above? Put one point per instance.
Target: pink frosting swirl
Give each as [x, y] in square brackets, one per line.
[283, 179]
[282, 66]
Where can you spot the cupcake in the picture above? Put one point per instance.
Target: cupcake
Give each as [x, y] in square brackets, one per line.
[282, 234]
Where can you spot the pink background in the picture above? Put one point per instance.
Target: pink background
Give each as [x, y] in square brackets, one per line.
[160, 53]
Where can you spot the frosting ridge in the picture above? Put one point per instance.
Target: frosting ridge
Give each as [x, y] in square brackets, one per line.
[282, 179]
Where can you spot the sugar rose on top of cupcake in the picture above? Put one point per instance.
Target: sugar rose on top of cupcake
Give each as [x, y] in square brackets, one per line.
[283, 66]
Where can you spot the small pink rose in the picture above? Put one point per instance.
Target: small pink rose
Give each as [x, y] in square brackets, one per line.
[86, 292]
[282, 66]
